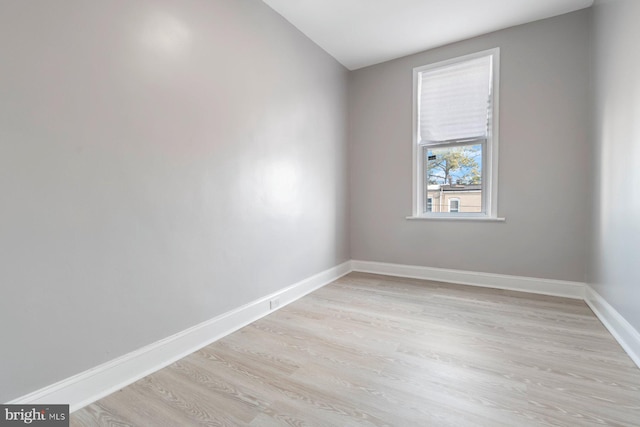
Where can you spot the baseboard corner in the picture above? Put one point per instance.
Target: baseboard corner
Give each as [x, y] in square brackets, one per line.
[627, 336]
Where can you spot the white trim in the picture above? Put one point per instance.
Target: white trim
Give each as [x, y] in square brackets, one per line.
[457, 218]
[559, 288]
[457, 200]
[626, 335]
[87, 387]
[490, 150]
[416, 185]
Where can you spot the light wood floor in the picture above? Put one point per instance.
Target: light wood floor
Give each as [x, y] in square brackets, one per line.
[372, 350]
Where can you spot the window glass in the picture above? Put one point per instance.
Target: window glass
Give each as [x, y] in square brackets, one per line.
[455, 142]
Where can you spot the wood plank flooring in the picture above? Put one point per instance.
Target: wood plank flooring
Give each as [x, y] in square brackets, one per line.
[372, 350]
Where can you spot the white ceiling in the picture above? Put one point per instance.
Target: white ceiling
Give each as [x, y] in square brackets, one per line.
[359, 33]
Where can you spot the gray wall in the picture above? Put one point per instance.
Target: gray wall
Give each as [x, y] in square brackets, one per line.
[614, 271]
[161, 162]
[543, 169]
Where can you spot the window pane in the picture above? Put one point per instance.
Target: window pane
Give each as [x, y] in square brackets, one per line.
[453, 178]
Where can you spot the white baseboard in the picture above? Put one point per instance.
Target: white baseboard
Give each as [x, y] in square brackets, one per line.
[626, 335]
[558, 288]
[93, 384]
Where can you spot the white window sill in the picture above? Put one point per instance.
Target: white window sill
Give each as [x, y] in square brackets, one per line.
[457, 218]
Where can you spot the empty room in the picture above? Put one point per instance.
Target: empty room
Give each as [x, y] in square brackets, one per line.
[320, 212]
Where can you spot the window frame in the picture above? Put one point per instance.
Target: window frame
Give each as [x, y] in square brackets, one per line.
[457, 200]
[489, 145]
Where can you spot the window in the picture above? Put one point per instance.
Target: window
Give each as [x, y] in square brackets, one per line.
[455, 137]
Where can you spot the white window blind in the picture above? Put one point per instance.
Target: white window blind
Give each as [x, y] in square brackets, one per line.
[455, 101]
